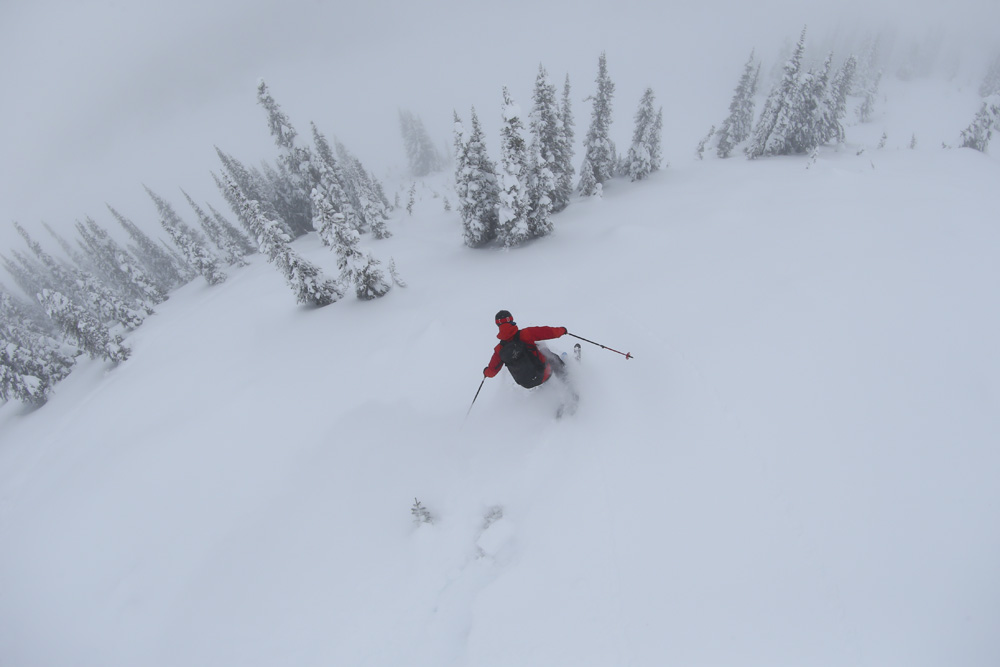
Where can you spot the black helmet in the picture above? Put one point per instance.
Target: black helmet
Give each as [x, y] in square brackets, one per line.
[504, 316]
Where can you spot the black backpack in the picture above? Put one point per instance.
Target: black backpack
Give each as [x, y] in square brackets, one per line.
[525, 366]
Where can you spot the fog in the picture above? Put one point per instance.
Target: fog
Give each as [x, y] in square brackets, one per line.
[102, 97]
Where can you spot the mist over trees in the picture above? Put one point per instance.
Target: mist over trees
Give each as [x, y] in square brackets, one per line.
[86, 301]
[421, 153]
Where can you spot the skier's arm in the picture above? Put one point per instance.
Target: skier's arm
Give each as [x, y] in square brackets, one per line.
[495, 364]
[534, 334]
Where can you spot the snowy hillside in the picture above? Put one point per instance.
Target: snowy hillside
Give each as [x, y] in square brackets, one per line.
[799, 466]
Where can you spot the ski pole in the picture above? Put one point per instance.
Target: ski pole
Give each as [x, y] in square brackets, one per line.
[476, 396]
[627, 355]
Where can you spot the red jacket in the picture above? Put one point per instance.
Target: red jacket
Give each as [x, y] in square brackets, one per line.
[530, 336]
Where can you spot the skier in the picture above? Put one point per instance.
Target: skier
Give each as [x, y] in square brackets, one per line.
[529, 364]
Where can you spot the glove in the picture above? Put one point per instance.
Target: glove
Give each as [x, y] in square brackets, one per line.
[565, 331]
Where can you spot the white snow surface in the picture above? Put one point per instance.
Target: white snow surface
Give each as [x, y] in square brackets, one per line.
[799, 466]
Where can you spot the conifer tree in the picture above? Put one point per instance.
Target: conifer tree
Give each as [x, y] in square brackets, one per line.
[411, 198]
[641, 161]
[370, 280]
[512, 223]
[700, 149]
[548, 148]
[461, 161]
[736, 127]
[867, 107]
[333, 181]
[839, 90]
[254, 184]
[564, 156]
[813, 120]
[991, 81]
[979, 133]
[305, 279]
[82, 328]
[46, 271]
[365, 194]
[191, 244]
[119, 266]
[293, 174]
[234, 235]
[541, 186]
[771, 134]
[599, 150]
[423, 156]
[78, 258]
[30, 276]
[231, 251]
[31, 362]
[867, 67]
[480, 204]
[87, 290]
[588, 180]
[356, 267]
[159, 265]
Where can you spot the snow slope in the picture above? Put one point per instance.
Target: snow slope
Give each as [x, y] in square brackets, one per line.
[798, 467]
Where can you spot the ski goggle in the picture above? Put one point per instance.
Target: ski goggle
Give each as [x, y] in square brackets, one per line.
[505, 320]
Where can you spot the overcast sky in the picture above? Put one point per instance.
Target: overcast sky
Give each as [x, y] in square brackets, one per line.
[103, 96]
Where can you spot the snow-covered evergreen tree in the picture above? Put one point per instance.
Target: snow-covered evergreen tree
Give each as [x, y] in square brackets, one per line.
[480, 204]
[87, 290]
[813, 120]
[704, 143]
[979, 133]
[119, 266]
[234, 235]
[411, 197]
[735, 129]
[365, 193]
[771, 134]
[423, 156]
[548, 147]
[190, 243]
[599, 150]
[356, 267]
[305, 279]
[839, 89]
[541, 186]
[79, 258]
[332, 182]
[588, 180]
[991, 80]
[83, 328]
[232, 251]
[370, 280]
[256, 186]
[643, 154]
[461, 162]
[31, 362]
[564, 156]
[867, 107]
[29, 275]
[46, 271]
[293, 176]
[512, 172]
[159, 265]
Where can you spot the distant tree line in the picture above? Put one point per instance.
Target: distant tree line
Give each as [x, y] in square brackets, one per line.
[86, 302]
[510, 201]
